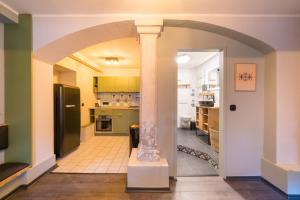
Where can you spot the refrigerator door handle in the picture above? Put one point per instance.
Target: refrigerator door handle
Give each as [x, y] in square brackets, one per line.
[70, 106]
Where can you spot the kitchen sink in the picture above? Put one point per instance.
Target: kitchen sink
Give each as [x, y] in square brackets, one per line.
[207, 103]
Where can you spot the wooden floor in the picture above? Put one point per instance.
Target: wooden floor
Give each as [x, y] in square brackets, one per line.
[112, 187]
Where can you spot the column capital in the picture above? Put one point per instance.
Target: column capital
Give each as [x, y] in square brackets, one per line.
[149, 26]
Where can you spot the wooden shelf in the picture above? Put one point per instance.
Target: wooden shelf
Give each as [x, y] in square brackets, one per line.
[206, 118]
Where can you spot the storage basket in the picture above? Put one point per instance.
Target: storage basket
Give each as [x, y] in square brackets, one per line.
[214, 139]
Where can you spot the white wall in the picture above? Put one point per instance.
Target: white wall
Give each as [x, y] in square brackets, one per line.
[269, 29]
[184, 98]
[67, 78]
[84, 80]
[288, 109]
[56, 75]
[2, 82]
[282, 33]
[244, 128]
[270, 139]
[42, 112]
[203, 70]
[120, 72]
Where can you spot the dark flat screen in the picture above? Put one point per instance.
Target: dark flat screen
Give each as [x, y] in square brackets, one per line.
[3, 137]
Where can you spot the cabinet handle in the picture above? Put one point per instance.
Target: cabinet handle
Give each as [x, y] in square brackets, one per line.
[70, 106]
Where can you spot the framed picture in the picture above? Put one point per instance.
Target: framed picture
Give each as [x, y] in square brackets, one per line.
[245, 77]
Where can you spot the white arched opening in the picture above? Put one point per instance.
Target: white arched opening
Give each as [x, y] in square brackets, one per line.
[54, 51]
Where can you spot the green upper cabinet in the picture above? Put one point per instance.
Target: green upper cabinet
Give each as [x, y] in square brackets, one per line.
[134, 84]
[121, 84]
[106, 84]
[118, 84]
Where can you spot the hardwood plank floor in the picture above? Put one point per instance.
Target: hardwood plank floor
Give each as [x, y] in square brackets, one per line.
[112, 187]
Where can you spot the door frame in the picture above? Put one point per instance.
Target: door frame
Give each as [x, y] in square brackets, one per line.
[222, 118]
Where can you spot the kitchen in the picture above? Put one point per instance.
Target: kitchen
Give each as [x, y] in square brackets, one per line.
[117, 104]
[107, 75]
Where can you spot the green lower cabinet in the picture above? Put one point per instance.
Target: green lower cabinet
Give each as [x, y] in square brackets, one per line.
[103, 112]
[121, 121]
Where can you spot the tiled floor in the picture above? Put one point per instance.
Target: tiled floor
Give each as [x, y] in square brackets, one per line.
[101, 154]
[188, 165]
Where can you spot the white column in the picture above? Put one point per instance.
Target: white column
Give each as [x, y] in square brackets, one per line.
[146, 169]
[148, 33]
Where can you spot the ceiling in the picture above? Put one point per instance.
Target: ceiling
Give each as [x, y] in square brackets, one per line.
[127, 50]
[89, 7]
[197, 58]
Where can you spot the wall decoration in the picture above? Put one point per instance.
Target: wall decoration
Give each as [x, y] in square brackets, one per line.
[245, 77]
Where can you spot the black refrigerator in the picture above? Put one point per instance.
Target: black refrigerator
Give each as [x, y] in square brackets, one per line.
[66, 119]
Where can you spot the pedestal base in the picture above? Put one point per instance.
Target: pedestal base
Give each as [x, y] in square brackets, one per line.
[147, 175]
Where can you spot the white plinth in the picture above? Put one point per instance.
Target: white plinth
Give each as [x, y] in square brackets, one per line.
[147, 175]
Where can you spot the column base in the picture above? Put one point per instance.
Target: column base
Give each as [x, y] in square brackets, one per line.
[147, 175]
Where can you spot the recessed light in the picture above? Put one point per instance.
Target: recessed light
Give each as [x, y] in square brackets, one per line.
[182, 59]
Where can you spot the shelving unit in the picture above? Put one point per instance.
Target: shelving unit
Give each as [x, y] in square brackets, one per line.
[202, 119]
[206, 118]
[92, 115]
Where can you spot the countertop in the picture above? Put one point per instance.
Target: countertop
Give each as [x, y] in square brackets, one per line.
[117, 108]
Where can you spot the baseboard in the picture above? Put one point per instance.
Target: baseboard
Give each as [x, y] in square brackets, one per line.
[255, 178]
[243, 178]
[147, 190]
[39, 169]
[289, 196]
[12, 186]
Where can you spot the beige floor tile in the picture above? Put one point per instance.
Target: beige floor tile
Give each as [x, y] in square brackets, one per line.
[103, 154]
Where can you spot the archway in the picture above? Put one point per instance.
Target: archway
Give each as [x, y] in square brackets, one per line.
[58, 49]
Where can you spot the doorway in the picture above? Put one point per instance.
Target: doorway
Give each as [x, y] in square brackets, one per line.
[107, 75]
[198, 112]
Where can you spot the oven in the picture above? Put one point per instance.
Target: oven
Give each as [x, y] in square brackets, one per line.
[104, 123]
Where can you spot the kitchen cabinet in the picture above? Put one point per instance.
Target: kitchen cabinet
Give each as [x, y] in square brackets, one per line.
[121, 119]
[134, 84]
[105, 84]
[121, 84]
[117, 84]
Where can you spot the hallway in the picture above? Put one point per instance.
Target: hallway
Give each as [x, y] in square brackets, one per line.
[112, 187]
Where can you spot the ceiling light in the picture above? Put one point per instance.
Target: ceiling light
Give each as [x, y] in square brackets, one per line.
[111, 60]
[182, 59]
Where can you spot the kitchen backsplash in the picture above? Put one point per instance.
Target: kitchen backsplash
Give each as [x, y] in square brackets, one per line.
[119, 99]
